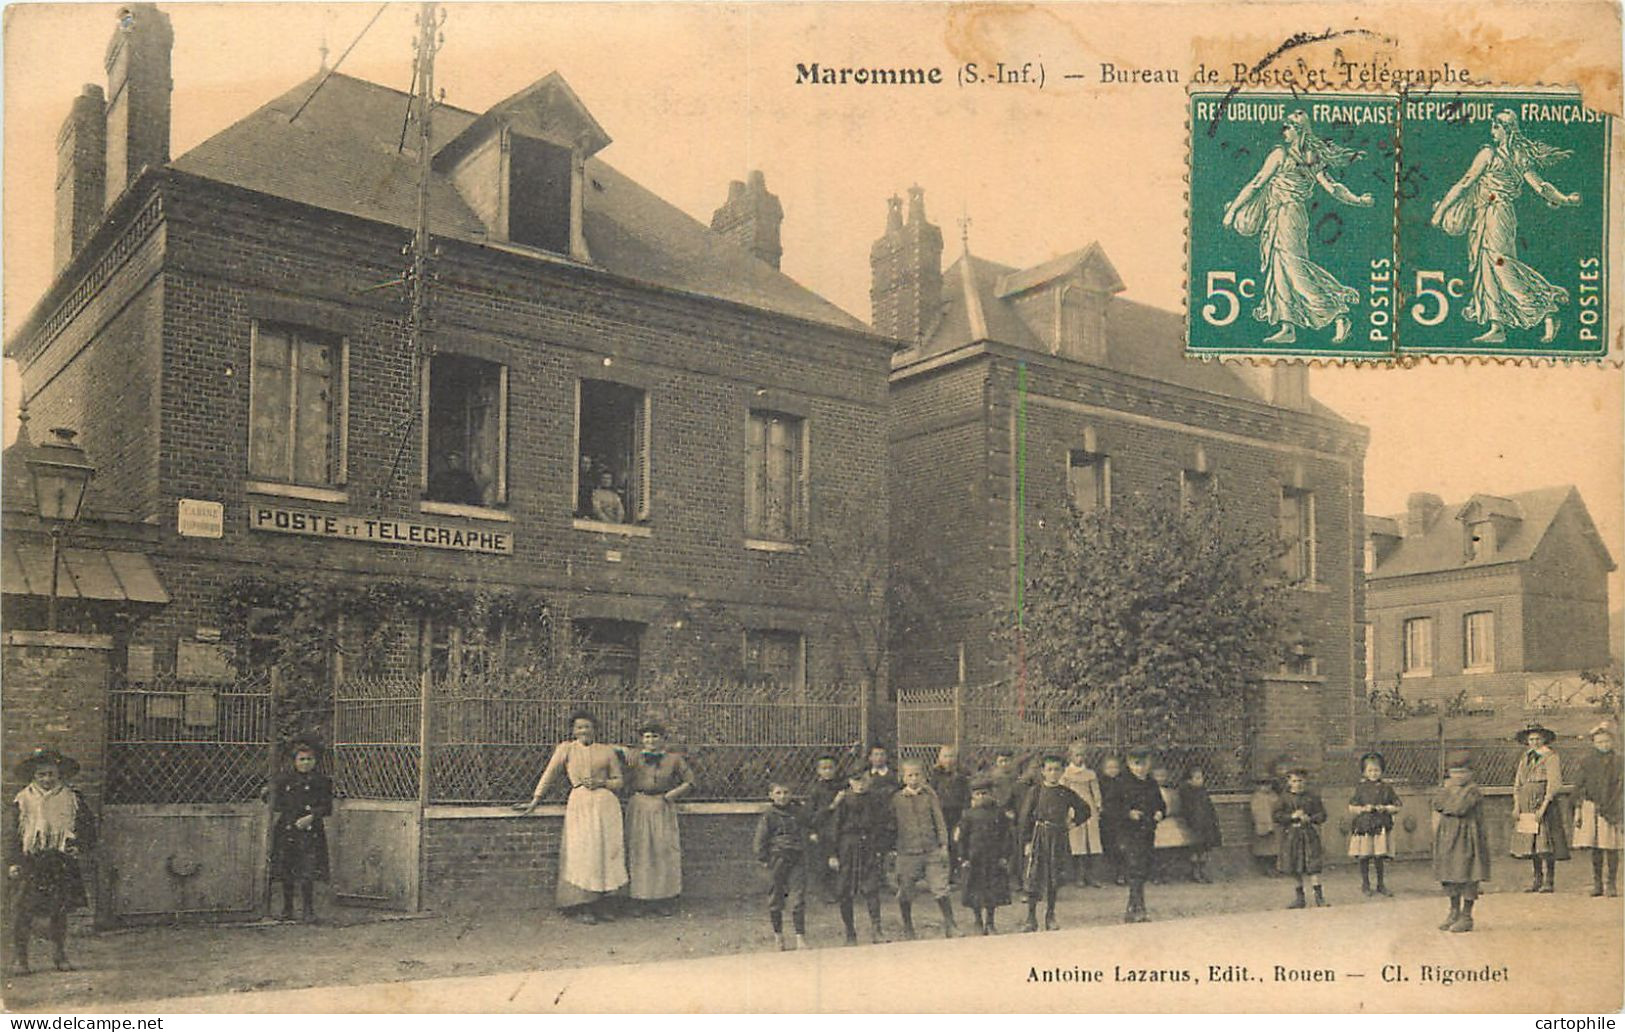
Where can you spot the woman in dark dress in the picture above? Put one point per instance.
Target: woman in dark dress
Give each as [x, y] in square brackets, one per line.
[52, 827]
[300, 798]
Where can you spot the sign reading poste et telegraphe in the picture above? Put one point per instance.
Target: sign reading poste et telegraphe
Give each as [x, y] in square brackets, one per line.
[306, 523]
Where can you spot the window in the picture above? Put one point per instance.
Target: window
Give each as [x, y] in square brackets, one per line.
[1089, 480]
[609, 651]
[1195, 488]
[612, 461]
[1298, 532]
[1300, 664]
[539, 195]
[1370, 655]
[776, 659]
[1370, 556]
[776, 478]
[296, 415]
[466, 461]
[1480, 539]
[1478, 640]
[453, 651]
[1418, 646]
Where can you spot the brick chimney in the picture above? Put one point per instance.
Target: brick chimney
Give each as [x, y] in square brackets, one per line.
[751, 218]
[81, 173]
[1421, 508]
[138, 87]
[905, 291]
[1289, 384]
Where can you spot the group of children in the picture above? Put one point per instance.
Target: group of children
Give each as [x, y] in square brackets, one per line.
[995, 831]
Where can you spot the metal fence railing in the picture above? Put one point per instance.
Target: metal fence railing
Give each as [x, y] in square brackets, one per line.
[981, 719]
[488, 741]
[171, 741]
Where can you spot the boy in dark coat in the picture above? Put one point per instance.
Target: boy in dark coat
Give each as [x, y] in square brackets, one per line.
[984, 845]
[1111, 781]
[781, 844]
[1048, 813]
[1201, 821]
[1300, 813]
[953, 792]
[299, 801]
[52, 826]
[1139, 806]
[863, 835]
[1461, 849]
[826, 785]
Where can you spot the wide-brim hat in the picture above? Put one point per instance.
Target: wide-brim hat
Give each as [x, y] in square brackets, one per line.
[1535, 727]
[1140, 752]
[1605, 727]
[652, 727]
[1461, 759]
[1373, 754]
[67, 766]
[1290, 765]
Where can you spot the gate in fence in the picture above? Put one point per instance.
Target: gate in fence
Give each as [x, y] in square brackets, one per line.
[402, 745]
[980, 719]
[184, 827]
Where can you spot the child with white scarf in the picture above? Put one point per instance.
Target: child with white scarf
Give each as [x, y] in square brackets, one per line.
[52, 827]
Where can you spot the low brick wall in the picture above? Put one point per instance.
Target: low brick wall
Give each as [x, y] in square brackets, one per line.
[480, 855]
[477, 855]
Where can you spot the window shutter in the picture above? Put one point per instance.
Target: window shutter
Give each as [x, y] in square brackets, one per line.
[756, 476]
[269, 399]
[642, 426]
[313, 418]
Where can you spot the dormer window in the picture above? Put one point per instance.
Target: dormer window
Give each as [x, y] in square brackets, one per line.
[1480, 539]
[539, 194]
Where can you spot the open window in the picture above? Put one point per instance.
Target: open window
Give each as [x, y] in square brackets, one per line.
[776, 478]
[539, 194]
[612, 460]
[467, 429]
[296, 410]
[608, 650]
[1297, 516]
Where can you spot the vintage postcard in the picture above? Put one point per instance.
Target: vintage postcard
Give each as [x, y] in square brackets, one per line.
[811, 507]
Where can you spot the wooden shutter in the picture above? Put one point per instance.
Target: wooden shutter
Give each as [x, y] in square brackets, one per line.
[756, 476]
[270, 398]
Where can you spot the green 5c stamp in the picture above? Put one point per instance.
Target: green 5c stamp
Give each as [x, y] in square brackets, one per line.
[1503, 220]
[1291, 224]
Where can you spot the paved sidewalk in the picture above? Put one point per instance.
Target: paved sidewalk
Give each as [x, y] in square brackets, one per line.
[1544, 953]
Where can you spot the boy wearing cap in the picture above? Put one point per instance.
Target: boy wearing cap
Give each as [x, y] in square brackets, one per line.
[1540, 832]
[52, 826]
[1139, 806]
[1599, 819]
[984, 845]
[1461, 849]
[656, 779]
[781, 845]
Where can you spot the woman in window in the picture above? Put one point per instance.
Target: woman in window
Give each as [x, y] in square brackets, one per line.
[592, 848]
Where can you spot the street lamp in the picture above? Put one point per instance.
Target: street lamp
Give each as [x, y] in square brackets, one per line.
[60, 472]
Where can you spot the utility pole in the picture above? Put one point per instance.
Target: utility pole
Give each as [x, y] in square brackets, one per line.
[423, 102]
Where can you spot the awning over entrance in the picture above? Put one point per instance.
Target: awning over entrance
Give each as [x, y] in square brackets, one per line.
[88, 573]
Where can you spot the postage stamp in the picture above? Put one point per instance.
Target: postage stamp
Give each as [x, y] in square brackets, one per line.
[1291, 247]
[1503, 224]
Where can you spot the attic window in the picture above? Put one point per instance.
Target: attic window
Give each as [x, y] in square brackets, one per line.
[1480, 539]
[539, 194]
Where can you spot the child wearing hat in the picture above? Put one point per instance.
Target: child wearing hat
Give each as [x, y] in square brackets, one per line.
[1139, 807]
[52, 828]
[984, 847]
[1266, 843]
[1598, 821]
[1373, 805]
[1540, 832]
[864, 831]
[656, 779]
[1461, 848]
[300, 799]
[781, 845]
[1300, 813]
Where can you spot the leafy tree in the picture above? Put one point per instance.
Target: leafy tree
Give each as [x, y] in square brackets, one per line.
[1170, 613]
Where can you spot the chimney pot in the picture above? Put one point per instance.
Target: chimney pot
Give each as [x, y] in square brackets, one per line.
[1421, 508]
[138, 91]
[81, 174]
[905, 265]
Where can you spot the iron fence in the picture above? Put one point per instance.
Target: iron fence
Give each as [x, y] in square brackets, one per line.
[981, 719]
[488, 739]
[172, 741]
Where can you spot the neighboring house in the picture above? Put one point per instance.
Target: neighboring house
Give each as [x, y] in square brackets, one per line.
[627, 413]
[1111, 406]
[1504, 599]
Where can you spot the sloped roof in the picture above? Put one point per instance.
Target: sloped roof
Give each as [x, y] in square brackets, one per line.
[343, 154]
[1142, 340]
[1442, 547]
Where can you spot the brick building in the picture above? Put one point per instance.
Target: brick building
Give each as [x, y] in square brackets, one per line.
[624, 419]
[217, 334]
[1110, 406]
[1502, 601]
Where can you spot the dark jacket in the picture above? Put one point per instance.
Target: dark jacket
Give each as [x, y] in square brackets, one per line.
[865, 819]
[952, 788]
[1140, 794]
[1051, 804]
[1598, 783]
[781, 831]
